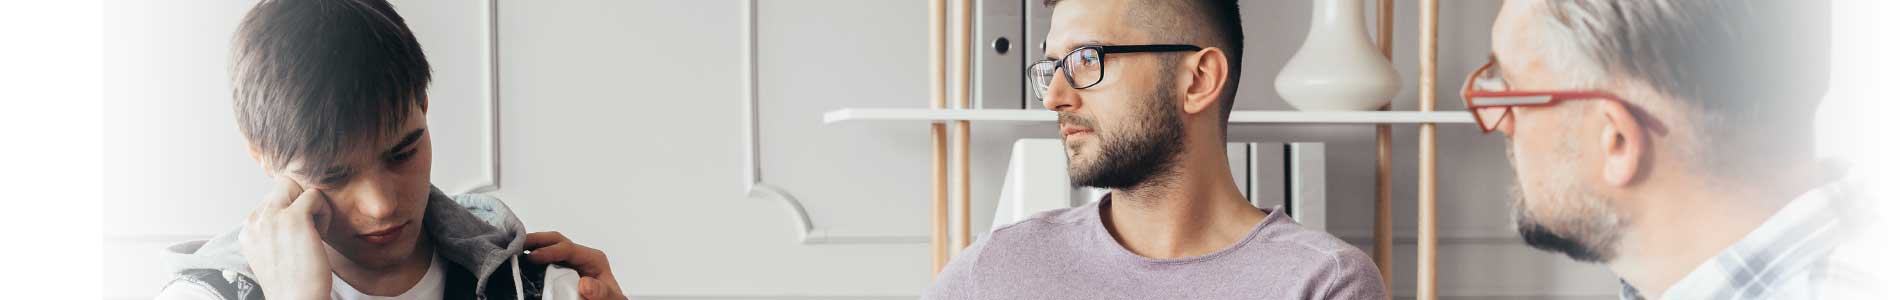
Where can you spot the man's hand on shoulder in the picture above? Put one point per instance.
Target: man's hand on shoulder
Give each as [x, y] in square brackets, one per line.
[597, 277]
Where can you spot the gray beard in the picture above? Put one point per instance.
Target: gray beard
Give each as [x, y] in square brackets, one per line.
[1591, 237]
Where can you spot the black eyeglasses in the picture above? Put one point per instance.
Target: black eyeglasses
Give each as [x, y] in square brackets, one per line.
[1083, 66]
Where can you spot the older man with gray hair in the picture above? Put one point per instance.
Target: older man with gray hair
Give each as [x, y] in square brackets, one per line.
[1673, 141]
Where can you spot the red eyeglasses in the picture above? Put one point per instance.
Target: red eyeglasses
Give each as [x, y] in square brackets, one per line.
[1490, 99]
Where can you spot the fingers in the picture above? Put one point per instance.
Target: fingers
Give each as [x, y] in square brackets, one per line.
[284, 191]
[600, 289]
[587, 261]
[591, 289]
[308, 202]
[597, 281]
[554, 253]
[319, 209]
[310, 207]
[544, 238]
[550, 247]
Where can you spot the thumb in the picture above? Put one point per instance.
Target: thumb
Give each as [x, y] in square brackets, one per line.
[591, 289]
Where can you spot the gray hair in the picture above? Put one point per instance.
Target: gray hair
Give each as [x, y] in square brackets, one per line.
[1747, 74]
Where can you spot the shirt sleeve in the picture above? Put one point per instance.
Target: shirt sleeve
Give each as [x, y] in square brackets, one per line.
[1355, 278]
[958, 280]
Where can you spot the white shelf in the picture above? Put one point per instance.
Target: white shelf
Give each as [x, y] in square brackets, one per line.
[1239, 116]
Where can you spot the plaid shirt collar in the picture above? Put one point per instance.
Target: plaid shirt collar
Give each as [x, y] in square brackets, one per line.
[1779, 256]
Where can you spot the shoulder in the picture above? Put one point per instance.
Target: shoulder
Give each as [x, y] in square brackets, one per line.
[1052, 229]
[468, 210]
[1281, 231]
[961, 278]
[1047, 219]
[1345, 271]
[484, 206]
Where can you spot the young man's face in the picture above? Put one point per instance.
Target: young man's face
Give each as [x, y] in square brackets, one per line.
[1126, 128]
[377, 195]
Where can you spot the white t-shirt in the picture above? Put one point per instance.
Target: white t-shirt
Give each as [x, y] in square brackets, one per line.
[430, 287]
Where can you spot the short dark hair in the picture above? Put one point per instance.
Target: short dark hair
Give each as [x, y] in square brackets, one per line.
[1752, 72]
[311, 79]
[1205, 23]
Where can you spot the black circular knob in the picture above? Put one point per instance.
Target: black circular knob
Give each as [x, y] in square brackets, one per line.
[1001, 45]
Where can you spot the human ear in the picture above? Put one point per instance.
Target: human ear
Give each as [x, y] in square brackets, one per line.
[1623, 142]
[1208, 77]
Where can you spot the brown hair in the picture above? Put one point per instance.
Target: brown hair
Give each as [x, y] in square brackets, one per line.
[313, 78]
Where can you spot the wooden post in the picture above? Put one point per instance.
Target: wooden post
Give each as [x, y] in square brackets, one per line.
[1428, 152]
[962, 141]
[939, 190]
[1382, 201]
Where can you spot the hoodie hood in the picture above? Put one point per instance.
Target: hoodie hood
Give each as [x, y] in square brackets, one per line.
[474, 231]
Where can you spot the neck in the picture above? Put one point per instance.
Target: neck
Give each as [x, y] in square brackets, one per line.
[1192, 209]
[1687, 223]
[386, 281]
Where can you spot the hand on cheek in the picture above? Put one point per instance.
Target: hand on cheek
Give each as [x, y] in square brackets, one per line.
[282, 242]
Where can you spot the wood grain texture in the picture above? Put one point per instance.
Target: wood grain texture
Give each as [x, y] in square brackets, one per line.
[1382, 199]
[939, 192]
[962, 138]
[1428, 152]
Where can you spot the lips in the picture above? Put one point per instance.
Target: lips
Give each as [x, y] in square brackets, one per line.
[1073, 124]
[1068, 131]
[385, 235]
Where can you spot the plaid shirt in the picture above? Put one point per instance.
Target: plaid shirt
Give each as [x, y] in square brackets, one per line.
[1813, 248]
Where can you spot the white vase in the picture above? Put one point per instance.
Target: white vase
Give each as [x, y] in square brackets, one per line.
[1338, 68]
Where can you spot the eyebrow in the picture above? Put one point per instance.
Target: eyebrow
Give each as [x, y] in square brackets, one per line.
[407, 140]
[328, 176]
[332, 175]
[1085, 43]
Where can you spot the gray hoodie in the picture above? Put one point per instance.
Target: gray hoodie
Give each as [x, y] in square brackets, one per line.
[477, 234]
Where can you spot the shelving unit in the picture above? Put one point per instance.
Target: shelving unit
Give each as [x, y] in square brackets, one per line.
[1238, 117]
[943, 113]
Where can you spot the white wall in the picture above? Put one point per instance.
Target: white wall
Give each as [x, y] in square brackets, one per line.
[621, 126]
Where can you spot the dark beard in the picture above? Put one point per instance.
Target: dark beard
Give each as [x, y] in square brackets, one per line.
[1135, 158]
[1540, 237]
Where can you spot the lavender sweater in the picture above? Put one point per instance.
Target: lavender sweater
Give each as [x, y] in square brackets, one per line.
[1068, 254]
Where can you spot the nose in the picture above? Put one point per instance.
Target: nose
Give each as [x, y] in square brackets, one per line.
[374, 197]
[1060, 97]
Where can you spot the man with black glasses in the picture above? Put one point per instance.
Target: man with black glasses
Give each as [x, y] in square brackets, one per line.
[1143, 89]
